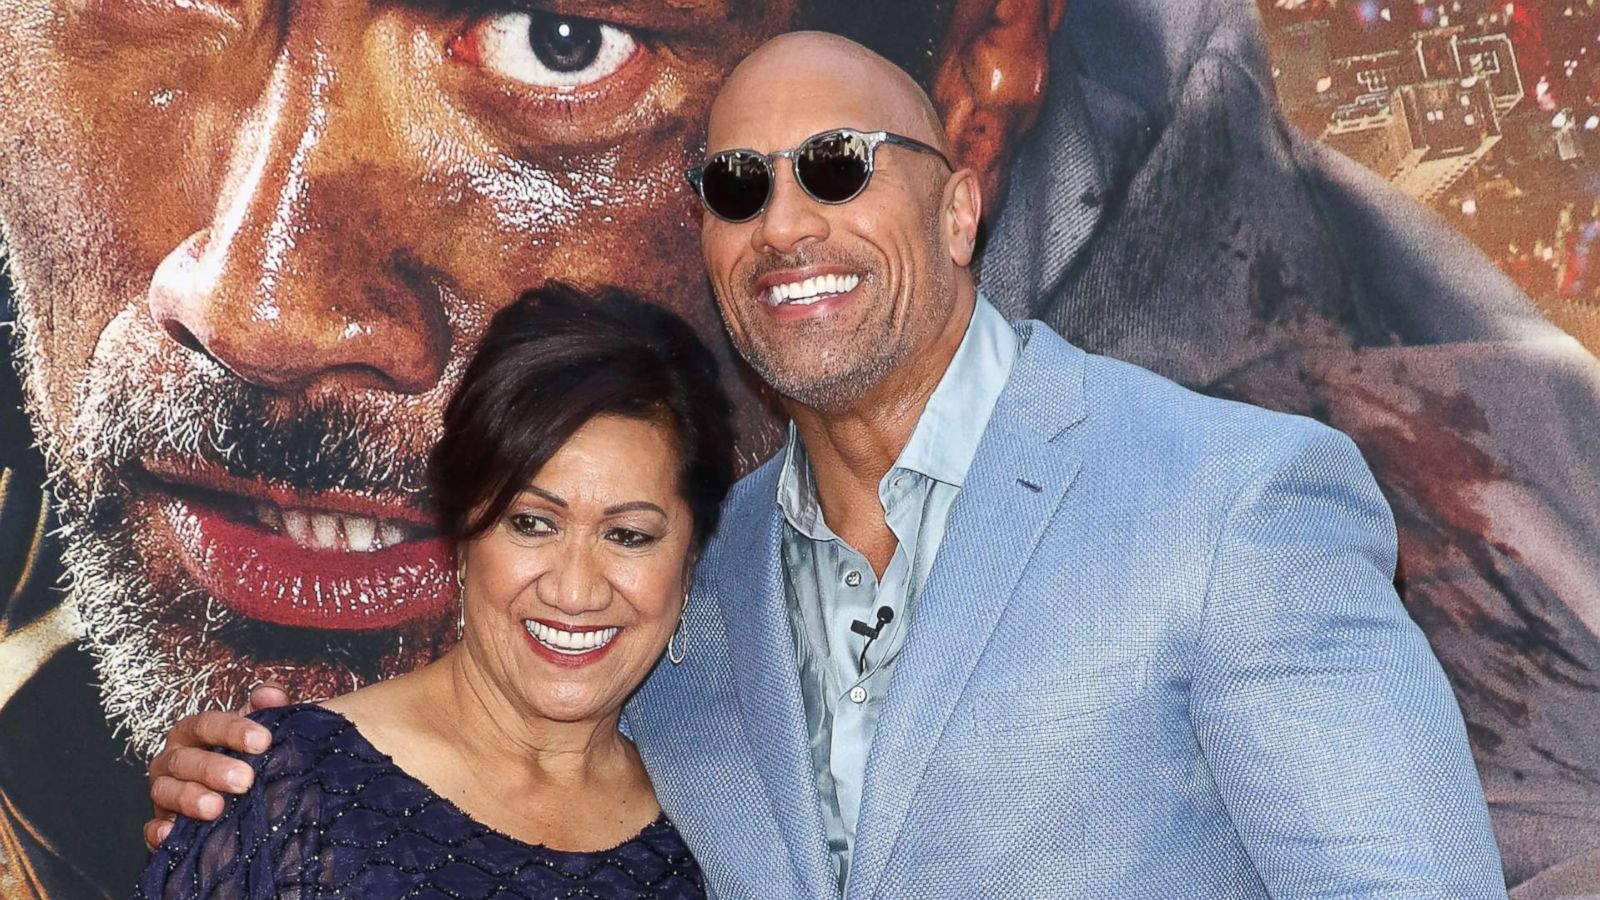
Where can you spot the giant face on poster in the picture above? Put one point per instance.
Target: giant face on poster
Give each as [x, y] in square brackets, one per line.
[248, 245]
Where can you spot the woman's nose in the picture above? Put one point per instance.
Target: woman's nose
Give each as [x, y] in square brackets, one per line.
[578, 585]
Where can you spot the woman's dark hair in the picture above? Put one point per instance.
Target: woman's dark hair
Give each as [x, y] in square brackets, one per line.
[552, 361]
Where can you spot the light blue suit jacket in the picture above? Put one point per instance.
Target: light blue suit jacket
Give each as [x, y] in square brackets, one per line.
[1158, 655]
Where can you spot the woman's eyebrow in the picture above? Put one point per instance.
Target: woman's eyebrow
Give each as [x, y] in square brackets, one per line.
[541, 492]
[633, 505]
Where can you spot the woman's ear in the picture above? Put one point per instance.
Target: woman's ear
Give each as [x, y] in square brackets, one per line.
[990, 80]
[688, 573]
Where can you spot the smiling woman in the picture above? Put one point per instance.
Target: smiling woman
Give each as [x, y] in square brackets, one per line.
[581, 469]
[253, 244]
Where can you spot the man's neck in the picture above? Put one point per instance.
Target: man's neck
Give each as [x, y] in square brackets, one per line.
[851, 448]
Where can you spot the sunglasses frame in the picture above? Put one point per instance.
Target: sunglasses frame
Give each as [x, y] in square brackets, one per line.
[873, 140]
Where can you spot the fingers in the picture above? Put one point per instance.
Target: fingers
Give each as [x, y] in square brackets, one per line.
[184, 798]
[215, 728]
[267, 695]
[156, 831]
[187, 778]
[206, 768]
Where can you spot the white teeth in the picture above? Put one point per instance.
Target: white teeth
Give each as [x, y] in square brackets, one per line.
[324, 531]
[810, 290]
[297, 525]
[569, 643]
[390, 534]
[359, 532]
[315, 530]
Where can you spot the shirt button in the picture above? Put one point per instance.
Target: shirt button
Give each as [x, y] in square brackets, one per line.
[858, 694]
[852, 578]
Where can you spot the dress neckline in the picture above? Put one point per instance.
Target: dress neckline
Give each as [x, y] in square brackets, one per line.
[383, 761]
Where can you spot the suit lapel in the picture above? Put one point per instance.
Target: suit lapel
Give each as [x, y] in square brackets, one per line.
[751, 594]
[1012, 491]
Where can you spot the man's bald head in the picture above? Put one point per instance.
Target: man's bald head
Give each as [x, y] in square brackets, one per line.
[837, 303]
[828, 76]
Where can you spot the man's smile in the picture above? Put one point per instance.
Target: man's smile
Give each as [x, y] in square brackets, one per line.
[334, 560]
[313, 529]
[800, 293]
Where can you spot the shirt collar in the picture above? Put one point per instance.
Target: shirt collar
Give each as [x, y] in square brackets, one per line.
[797, 494]
[946, 435]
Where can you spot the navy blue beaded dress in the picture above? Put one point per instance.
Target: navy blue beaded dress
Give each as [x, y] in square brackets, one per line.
[331, 816]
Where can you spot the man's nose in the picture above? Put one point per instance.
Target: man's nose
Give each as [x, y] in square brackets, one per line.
[791, 218]
[298, 277]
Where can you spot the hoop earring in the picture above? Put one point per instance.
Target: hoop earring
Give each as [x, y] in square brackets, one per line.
[676, 655]
[461, 616]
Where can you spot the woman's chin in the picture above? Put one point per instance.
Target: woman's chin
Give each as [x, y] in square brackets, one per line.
[573, 704]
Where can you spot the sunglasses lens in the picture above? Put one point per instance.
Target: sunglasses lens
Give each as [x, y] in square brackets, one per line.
[833, 167]
[734, 185]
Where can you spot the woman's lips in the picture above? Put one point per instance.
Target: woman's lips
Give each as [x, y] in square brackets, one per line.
[538, 631]
[341, 566]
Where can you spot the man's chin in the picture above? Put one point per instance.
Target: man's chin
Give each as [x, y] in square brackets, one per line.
[163, 652]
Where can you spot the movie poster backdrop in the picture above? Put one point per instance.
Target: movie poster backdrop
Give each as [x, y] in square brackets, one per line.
[248, 244]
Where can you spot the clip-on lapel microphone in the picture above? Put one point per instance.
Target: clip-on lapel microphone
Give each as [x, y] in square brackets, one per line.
[870, 632]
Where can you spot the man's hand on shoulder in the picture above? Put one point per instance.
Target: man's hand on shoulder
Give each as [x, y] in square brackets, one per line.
[188, 776]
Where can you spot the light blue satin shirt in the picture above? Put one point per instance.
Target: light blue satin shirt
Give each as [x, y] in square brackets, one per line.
[829, 584]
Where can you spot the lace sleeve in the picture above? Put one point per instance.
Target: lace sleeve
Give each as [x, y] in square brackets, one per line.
[262, 847]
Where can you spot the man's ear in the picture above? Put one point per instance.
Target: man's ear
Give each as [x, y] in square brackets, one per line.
[963, 210]
[990, 79]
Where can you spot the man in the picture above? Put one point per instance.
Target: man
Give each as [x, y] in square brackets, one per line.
[251, 245]
[1115, 639]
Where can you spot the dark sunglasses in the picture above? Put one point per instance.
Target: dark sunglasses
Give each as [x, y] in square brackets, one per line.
[831, 167]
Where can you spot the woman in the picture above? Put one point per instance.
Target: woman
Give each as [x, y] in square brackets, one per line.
[582, 464]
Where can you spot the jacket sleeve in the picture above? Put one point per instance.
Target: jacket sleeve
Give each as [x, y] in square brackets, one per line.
[1322, 713]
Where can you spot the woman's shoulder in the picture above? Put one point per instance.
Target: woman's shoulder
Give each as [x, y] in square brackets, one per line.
[276, 819]
[306, 736]
[312, 721]
[306, 723]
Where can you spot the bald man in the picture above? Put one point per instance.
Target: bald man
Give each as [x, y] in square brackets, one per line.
[1004, 618]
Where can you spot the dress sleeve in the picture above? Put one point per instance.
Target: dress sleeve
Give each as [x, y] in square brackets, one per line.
[262, 847]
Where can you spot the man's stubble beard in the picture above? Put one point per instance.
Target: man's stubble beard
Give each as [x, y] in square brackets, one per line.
[835, 390]
[844, 387]
[166, 650]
